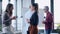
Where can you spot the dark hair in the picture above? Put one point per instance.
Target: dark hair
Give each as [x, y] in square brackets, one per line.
[36, 7]
[8, 9]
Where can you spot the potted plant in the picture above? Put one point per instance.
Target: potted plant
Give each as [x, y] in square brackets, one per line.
[58, 29]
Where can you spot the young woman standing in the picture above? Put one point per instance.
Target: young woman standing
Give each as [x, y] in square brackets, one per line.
[7, 18]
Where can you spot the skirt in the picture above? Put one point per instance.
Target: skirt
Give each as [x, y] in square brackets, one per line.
[33, 29]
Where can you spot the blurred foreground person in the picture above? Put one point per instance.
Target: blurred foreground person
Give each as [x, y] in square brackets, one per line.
[48, 21]
[28, 15]
[7, 18]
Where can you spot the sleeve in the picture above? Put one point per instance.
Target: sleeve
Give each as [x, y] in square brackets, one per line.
[49, 19]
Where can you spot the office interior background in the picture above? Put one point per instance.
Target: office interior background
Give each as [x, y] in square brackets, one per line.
[22, 6]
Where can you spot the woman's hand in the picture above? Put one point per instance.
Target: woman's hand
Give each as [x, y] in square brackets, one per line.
[14, 17]
[28, 20]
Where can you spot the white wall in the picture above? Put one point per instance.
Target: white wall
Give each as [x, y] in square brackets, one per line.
[56, 11]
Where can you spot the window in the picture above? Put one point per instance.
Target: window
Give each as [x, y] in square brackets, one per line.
[17, 12]
[56, 12]
[4, 4]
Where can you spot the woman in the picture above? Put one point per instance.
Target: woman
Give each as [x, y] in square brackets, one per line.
[34, 19]
[7, 18]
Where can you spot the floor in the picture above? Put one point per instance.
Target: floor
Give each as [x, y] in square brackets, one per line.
[39, 33]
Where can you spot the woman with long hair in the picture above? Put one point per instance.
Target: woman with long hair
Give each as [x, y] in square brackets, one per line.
[34, 19]
[7, 18]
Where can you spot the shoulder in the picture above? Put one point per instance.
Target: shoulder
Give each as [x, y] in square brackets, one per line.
[5, 14]
[35, 15]
[50, 14]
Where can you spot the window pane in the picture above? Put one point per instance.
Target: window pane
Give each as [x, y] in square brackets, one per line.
[56, 13]
[17, 24]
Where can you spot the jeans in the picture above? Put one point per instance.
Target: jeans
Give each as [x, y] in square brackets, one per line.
[48, 31]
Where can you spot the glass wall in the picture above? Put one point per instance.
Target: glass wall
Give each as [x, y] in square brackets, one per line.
[56, 13]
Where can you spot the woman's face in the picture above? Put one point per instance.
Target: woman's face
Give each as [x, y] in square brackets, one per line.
[11, 8]
[32, 8]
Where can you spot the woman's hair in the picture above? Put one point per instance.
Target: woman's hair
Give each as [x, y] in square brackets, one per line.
[36, 7]
[8, 9]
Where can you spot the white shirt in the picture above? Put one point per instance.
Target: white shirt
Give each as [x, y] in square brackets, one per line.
[28, 15]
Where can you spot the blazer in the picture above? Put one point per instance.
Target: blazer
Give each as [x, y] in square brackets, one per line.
[34, 19]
